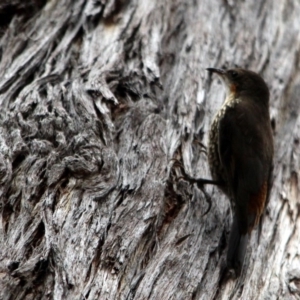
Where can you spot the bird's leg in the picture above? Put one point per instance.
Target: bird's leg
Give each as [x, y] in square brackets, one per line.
[202, 146]
[199, 181]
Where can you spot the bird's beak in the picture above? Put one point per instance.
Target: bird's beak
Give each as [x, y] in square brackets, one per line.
[224, 78]
[218, 71]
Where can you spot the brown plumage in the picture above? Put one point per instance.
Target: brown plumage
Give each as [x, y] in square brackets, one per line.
[240, 154]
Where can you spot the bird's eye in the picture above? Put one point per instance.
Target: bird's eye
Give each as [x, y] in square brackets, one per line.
[234, 74]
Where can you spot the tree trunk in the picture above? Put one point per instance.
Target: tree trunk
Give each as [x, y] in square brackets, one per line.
[97, 99]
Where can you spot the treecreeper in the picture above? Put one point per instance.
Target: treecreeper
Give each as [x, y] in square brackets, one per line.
[240, 155]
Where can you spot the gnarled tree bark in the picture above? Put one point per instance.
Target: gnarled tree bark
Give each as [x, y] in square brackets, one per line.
[97, 98]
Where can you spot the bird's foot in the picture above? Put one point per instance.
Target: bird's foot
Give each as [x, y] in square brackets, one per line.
[199, 181]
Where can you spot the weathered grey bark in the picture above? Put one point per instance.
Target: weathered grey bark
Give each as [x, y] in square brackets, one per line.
[97, 98]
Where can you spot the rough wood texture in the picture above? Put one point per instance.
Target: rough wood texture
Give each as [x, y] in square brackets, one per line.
[97, 98]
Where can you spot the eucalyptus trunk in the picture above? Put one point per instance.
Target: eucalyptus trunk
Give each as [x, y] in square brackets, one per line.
[98, 99]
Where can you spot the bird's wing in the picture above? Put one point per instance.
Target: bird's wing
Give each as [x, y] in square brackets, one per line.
[240, 151]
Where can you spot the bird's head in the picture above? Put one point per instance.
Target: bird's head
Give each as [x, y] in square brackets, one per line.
[241, 82]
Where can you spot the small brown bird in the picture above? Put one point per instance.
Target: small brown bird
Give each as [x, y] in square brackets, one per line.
[240, 154]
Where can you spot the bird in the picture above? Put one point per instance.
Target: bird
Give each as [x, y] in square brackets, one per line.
[240, 155]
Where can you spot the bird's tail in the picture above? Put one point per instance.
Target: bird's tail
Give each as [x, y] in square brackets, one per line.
[237, 247]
